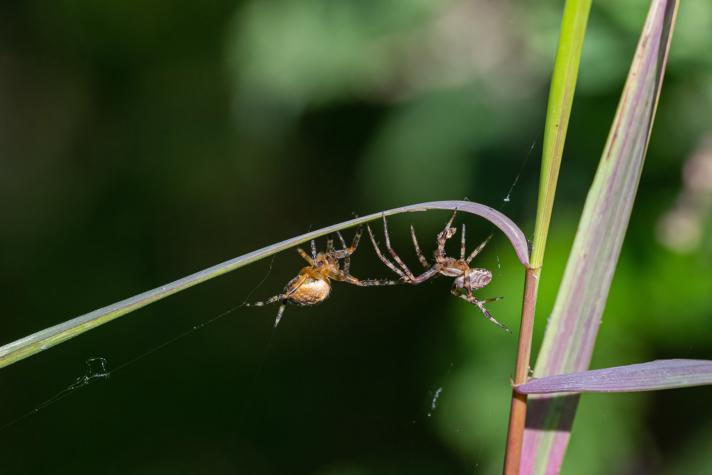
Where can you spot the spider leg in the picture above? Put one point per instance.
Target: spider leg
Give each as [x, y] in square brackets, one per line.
[330, 245]
[341, 239]
[478, 250]
[481, 305]
[269, 301]
[421, 257]
[305, 256]
[349, 279]
[352, 249]
[313, 249]
[345, 252]
[383, 258]
[393, 254]
[444, 235]
[276, 298]
[280, 312]
[433, 271]
[341, 254]
[283, 296]
[357, 239]
[462, 243]
[379, 282]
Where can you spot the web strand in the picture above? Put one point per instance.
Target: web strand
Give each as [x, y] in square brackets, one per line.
[97, 367]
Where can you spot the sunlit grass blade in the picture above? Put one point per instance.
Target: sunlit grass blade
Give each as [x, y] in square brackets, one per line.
[571, 334]
[44, 339]
[561, 96]
[650, 376]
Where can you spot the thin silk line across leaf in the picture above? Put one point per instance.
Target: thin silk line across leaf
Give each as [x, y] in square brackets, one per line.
[49, 337]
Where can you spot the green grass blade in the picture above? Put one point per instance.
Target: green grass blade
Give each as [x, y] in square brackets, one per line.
[561, 96]
[571, 334]
[49, 337]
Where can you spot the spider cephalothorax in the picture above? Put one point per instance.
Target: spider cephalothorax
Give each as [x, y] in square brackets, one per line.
[313, 283]
[467, 279]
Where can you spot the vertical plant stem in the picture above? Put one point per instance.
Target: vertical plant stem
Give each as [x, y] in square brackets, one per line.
[518, 409]
[561, 94]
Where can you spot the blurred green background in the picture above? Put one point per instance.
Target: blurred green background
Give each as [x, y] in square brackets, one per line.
[142, 141]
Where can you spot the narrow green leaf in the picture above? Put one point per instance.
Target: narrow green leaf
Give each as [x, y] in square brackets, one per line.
[561, 97]
[571, 334]
[49, 337]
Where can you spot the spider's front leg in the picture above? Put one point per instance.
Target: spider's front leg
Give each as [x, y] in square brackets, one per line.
[393, 254]
[468, 297]
[345, 252]
[305, 256]
[462, 242]
[423, 261]
[292, 287]
[428, 274]
[478, 249]
[276, 298]
[447, 232]
[384, 259]
[313, 248]
[349, 279]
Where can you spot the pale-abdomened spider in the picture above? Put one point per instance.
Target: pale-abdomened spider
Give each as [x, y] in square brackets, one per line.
[467, 279]
[313, 283]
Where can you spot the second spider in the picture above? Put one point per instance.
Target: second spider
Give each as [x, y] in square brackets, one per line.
[467, 279]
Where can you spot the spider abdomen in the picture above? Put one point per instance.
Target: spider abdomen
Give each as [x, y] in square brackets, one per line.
[311, 291]
[477, 278]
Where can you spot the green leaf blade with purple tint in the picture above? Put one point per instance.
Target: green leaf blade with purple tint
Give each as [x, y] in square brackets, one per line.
[650, 376]
[52, 336]
[571, 334]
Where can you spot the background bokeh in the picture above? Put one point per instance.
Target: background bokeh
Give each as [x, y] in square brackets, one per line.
[142, 141]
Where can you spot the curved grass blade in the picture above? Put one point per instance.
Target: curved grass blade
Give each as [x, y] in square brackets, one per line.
[49, 337]
[571, 334]
[650, 376]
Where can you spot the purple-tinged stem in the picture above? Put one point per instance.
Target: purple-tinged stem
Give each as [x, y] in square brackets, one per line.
[518, 409]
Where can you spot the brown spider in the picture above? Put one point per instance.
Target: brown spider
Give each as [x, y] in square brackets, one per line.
[313, 283]
[467, 279]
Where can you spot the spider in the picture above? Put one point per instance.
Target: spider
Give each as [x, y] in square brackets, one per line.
[313, 283]
[467, 279]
